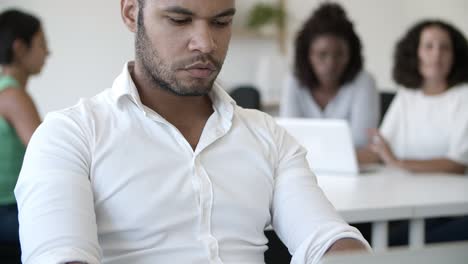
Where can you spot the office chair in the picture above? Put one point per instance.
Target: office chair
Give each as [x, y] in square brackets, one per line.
[246, 96]
[10, 253]
[277, 252]
[386, 99]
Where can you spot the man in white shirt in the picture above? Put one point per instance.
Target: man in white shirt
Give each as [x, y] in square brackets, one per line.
[165, 168]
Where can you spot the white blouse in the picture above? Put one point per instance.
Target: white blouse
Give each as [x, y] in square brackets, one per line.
[419, 126]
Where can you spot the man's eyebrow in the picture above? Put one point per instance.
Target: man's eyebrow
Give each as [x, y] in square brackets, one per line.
[229, 12]
[185, 11]
[179, 10]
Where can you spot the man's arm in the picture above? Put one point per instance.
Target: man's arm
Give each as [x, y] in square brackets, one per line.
[304, 219]
[55, 197]
[347, 244]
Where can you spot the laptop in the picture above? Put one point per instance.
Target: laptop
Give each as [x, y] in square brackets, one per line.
[328, 142]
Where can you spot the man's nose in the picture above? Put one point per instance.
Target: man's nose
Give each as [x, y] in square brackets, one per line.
[202, 39]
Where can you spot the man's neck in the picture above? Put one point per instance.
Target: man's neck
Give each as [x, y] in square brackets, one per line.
[187, 113]
[166, 103]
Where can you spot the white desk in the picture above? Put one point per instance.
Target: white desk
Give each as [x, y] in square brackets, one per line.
[391, 194]
[453, 253]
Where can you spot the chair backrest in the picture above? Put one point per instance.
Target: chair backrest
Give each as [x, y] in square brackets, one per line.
[246, 96]
[386, 99]
[10, 253]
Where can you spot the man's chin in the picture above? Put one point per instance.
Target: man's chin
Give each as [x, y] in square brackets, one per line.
[199, 84]
[195, 89]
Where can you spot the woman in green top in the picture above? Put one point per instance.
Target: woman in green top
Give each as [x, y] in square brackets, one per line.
[23, 50]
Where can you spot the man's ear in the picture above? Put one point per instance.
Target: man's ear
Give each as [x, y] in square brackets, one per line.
[129, 13]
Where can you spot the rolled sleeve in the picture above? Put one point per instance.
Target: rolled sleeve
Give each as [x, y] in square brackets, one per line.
[302, 216]
[55, 198]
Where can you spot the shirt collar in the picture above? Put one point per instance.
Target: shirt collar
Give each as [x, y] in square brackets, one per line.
[124, 87]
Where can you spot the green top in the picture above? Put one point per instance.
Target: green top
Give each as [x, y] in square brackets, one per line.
[11, 151]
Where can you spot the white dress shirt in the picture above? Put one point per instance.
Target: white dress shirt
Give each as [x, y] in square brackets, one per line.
[356, 102]
[110, 181]
[420, 126]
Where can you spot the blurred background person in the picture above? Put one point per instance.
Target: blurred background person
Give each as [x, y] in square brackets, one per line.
[426, 126]
[328, 79]
[23, 50]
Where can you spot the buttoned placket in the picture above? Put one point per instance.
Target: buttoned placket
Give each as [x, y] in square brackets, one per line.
[211, 133]
[202, 185]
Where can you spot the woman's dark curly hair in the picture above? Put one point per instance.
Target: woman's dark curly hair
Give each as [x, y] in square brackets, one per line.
[406, 66]
[328, 19]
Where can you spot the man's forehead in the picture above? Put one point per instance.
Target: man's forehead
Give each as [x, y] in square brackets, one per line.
[196, 7]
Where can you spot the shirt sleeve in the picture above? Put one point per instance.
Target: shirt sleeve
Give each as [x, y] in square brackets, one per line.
[55, 198]
[458, 149]
[302, 216]
[365, 111]
[289, 105]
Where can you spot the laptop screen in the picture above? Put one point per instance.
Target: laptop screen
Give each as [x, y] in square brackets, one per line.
[328, 142]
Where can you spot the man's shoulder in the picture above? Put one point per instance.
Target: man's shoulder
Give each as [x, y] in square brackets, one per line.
[85, 112]
[87, 106]
[250, 114]
[255, 119]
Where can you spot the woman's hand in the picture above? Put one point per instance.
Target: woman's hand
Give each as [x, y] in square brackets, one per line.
[379, 146]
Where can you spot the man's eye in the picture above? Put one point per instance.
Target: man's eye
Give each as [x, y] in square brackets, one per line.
[179, 21]
[222, 22]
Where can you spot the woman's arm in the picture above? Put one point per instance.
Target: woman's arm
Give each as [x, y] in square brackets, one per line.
[289, 106]
[18, 108]
[381, 148]
[365, 110]
[433, 165]
[366, 156]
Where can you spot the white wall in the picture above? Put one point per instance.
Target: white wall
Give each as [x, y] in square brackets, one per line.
[380, 23]
[90, 44]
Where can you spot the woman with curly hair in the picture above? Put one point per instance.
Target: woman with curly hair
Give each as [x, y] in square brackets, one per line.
[23, 50]
[426, 126]
[328, 79]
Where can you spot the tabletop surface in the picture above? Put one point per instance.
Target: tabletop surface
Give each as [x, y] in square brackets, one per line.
[390, 194]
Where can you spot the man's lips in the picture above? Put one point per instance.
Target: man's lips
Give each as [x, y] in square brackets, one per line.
[201, 70]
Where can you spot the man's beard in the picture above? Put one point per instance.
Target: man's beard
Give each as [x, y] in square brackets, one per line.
[163, 75]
